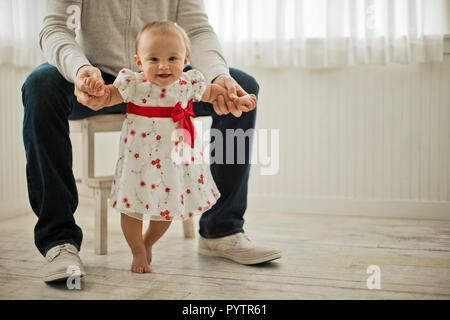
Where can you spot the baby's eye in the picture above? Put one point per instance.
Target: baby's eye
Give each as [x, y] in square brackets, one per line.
[153, 59]
[172, 58]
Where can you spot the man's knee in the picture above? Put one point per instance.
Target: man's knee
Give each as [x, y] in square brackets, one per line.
[246, 81]
[42, 81]
[43, 89]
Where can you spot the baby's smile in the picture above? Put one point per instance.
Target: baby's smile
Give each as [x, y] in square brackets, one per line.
[164, 75]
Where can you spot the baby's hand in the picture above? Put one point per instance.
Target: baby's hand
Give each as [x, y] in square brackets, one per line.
[246, 103]
[95, 86]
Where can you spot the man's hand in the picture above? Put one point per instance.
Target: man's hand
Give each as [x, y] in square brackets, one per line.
[90, 88]
[234, 92]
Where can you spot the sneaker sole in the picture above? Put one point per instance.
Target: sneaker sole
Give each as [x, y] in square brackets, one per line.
[60, 277]
[262, 259]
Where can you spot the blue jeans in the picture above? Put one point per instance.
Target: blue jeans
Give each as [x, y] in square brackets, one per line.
[49, 103]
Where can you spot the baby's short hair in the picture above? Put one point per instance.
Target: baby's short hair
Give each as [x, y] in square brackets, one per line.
[164, 27]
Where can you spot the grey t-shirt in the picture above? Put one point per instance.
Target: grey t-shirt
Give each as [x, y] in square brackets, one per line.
[107, 32]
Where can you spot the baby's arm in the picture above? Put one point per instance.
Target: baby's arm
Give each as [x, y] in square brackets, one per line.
[111, 96]
[213, 91]
[114, 96]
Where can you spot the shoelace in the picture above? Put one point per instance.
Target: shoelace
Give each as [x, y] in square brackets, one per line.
[238, 239]
[57, 251]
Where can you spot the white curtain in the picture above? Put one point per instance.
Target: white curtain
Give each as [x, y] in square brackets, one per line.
[329, 33]
[281, 33]
[20, 23]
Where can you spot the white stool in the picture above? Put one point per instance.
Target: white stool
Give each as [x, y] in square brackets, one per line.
[100, 187]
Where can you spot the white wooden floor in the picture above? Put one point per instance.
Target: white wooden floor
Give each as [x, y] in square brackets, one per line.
[324, 257]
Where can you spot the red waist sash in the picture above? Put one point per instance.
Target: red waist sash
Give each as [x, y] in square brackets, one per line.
[177, 113]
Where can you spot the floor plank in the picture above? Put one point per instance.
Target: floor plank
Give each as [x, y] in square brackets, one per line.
[324, 257]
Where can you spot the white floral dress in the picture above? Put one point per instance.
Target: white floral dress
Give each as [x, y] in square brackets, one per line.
[150, 180]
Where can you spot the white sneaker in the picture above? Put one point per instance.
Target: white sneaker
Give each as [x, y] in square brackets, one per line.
[63, 262]
[238, 248]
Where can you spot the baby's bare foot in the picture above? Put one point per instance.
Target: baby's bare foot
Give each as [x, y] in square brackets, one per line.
[149, 254]
[148, 248]
[140, 264]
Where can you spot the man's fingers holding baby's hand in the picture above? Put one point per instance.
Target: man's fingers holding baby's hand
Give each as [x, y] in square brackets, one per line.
[233, 109]
[222, 106]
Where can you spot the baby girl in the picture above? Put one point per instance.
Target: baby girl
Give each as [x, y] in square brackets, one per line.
[148, 183]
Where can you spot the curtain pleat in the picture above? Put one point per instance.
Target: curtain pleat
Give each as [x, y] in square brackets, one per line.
[280, 33]
[330, 33]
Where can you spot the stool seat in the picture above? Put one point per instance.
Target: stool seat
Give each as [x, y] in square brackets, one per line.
[101, 186]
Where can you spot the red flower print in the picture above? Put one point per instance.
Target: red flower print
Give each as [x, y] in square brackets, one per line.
[190, 214]
[153, 162]
[158, 166]
[192, 159]
[201, 176]
[188, 191]
[153, 186]
[125, 199]
[167, 189]
[147, 207]
[127, 205]
[193, 82]
[136, 155]
[145, 80]
[199, 208]
[143, 135]
[162, 214]
[158, 137]
[158, 160]
[142, 183]
[186, 164]
[144, 101]
[167, 218]
[132, 132]
[114, 204]
[209, 203]
[162, 95]
[123, 71]
[125, 140]
[163, 90]
[182, 81]
[114, 181]
[127, 80]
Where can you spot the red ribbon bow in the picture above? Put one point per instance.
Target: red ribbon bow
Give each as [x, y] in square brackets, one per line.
[184, 116]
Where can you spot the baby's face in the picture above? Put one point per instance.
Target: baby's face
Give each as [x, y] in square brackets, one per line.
[161, 57]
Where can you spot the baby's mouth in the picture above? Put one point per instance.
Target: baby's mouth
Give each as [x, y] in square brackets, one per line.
[164, 75]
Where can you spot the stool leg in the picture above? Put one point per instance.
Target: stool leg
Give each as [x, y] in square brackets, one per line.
[101, 221]
[188, 228]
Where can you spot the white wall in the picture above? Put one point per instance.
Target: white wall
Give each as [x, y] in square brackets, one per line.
[361, 140]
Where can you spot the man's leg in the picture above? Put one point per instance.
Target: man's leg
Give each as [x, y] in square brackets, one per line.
[226, 216]
[49, 102]
[51, 186]
[221, 227]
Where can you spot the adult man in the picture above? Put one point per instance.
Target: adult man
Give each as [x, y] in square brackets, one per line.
[106, 37]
